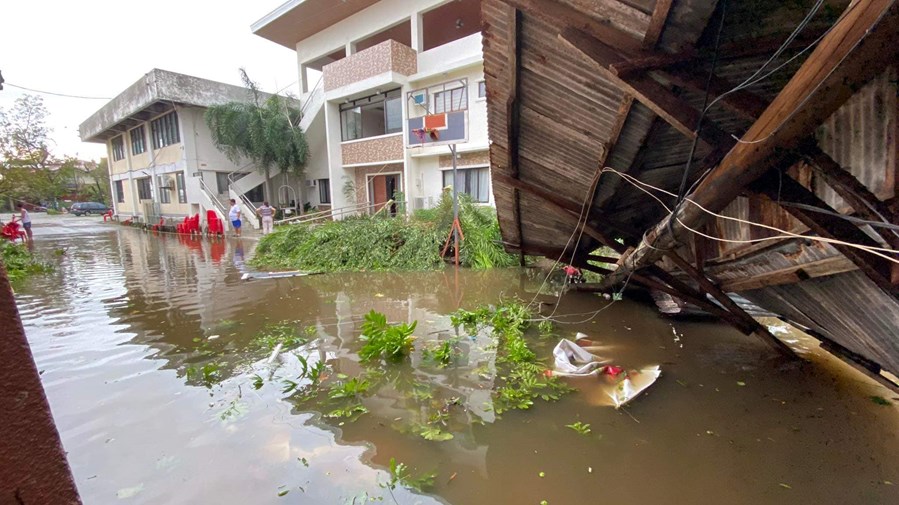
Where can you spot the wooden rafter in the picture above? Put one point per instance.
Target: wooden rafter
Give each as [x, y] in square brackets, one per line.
[856, 49]
[827, 225]
[656, 24]
[850, 189]
[662, 101]
[513, 113]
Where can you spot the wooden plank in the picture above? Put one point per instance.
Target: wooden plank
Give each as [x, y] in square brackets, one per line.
[559, 14]
[513, 116]
[793, 274]
[850, 189]
[624, 111]
[745, 103]
[854, 51]
[656, 24]
[876, 268]
[676, 112]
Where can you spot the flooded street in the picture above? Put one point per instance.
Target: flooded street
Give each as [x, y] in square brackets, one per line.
[163, 391]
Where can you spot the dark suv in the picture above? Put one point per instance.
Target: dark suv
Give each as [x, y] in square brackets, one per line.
[82, 208]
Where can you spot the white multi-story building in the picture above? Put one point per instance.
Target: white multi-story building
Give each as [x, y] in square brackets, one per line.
[162, 160]
[369, 71]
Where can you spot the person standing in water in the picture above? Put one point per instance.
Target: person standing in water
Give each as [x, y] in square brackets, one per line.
[25, 218]
[234, 216]
[268, 217]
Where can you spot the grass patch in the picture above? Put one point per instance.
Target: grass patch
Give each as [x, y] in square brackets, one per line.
[20, 263]
[382, 243]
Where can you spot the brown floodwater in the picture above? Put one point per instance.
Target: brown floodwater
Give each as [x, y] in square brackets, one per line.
[147, 347]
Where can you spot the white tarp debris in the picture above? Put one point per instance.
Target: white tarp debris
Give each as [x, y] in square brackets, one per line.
[572, 359]
[618, 384]
[272, 275]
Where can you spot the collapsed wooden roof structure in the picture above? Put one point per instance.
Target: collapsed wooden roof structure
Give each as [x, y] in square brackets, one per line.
[787, 113]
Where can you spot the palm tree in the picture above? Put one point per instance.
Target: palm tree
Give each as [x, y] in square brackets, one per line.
[265, 132]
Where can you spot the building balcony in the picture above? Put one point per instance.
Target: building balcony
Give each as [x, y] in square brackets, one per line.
[387, 57]
[383, 148]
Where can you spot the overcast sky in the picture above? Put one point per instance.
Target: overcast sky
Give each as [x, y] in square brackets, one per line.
[100, 47]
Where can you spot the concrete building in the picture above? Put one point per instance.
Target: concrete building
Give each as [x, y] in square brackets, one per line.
[369, 73]
[162, 161]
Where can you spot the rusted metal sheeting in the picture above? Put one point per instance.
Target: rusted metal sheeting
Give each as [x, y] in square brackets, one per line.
[861, 137]
[848, 308]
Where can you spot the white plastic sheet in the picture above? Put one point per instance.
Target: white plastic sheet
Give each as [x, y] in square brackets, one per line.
[617, 384]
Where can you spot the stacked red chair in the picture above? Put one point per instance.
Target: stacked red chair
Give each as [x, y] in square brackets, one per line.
[158, 226]
[214, 225]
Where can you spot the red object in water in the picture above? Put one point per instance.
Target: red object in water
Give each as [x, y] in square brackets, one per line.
[612, 370]
[159, 225]
[11, 231]
[547, 373]
[190, 225]
[108, 215]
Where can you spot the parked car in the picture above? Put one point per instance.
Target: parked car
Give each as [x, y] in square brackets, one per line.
[82, 208]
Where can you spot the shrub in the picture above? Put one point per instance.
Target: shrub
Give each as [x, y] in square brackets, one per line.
[20, 262]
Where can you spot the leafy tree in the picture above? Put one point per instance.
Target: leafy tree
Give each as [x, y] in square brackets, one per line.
[28, 170]
[263, 131]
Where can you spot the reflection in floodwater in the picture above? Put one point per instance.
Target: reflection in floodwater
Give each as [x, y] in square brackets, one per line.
[159, 367]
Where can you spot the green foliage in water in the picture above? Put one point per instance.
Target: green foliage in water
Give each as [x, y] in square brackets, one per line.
[283, 333]
[20, 262]
[523, 377]
[401, 475]
[383, 340]
[582, 428]
[379, 243]
[442, 353]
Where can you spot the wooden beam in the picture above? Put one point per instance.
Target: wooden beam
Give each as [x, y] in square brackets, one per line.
[624, 110]
[825, 225]
[758, 329]
[513, 115]
[656, 24]
[561, 15]
[855, 50]
[675, 111]
[745, 103]
[860, 198]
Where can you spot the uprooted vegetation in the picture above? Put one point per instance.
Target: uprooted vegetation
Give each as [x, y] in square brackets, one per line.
[20, 262]
[381, 242]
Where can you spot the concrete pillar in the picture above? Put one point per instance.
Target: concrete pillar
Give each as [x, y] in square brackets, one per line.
[304, 80]
[33, 466]
[418, 38]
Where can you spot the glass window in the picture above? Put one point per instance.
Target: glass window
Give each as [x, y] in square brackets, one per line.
[482, 89]
[179, 184]
[451, 100]
[474, 182]
[393, 111]
[324, 191]
[119, 192]
[164, 130]
[165, 190]
[372, 116]
[118, 148]
[137, 140]
[143, 189]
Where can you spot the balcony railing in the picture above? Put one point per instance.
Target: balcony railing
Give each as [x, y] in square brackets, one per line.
[388, 56]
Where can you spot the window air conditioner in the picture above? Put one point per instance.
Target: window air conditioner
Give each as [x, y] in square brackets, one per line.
[418, 203]
[311, 183]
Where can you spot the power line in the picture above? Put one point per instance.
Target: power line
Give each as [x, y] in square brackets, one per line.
[57, 94]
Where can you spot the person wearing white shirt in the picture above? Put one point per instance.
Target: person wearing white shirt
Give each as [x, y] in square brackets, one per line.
[234, 216]
[25, 218]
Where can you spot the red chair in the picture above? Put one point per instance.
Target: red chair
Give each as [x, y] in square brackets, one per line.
[159, 225]
[11, 231]
[192, 224]
[214, 225]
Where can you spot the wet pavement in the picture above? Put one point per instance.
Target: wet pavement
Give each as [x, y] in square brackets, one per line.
[149, 351]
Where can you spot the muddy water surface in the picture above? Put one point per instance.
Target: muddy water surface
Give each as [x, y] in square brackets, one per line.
[163, 393]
